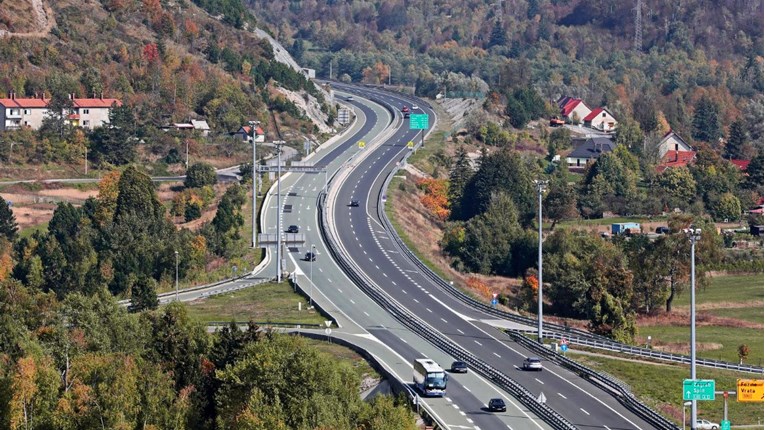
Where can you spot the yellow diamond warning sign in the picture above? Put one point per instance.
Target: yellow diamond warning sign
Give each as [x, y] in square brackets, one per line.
[749, 390]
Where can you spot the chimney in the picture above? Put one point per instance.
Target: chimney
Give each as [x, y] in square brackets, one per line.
[102, 95]
[12, 95]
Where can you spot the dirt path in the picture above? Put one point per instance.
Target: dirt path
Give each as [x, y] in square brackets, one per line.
[43, 17]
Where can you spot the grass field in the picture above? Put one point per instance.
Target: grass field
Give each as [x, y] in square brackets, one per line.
[660, 386]
[734, 288]
[747, 314]
[730, 338]
[269, 302]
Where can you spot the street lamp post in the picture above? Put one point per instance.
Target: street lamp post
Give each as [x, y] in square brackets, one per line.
[310, 296]
[278, 145]
[541, 185]
[685, 405]
[176, 276]
[254, 181]
[694, 235]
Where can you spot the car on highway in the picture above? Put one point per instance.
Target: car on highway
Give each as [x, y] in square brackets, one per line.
[532, 363]
[459, 367]
[293, 229]
[415, 107]
[354, 203]
[349, 98]
[497, 405]
[706, 425]
[310, 256]
[405, 109]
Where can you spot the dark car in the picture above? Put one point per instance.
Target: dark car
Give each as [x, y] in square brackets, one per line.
[459, 367]
[310, 256]
[355, 203]
[293, 229]
[662, 230]
[497, 405]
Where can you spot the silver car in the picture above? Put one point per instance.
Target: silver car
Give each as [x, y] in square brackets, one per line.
[706, 425]
[532, 363]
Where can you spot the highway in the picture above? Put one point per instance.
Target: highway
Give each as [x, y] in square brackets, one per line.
[359, 317]
[361, 233]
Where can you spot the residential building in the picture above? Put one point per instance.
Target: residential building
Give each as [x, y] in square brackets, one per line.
[30, 112]
[589, 150]
[600, 119]
[573, 108]
[193, 125]
[741, 164]
[245, 133]
[673, 142]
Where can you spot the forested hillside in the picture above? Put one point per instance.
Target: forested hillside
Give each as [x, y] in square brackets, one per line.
[691, 49]
[166, 61]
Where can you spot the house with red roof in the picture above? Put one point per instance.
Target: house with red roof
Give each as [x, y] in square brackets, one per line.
[245, 133]
[741, 164]
[30, 112]
[573, 108]
[674, 152]
[600, 119]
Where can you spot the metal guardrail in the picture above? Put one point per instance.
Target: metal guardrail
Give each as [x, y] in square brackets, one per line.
[623, 393]
[415, 324]
[264, 324]
[556, 331]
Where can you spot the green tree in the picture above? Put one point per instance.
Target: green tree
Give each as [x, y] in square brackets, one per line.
[458, 179]
[559, 139]
[144, 294]
[503, 171]
[200, 175]
[560, 201]
[8, 226]
[737, 140]
[630, 135]
[706, 121]
[115, 143]
[645, 114]
[726, 207]
[498, 36]
[754, 173]
[677, 186]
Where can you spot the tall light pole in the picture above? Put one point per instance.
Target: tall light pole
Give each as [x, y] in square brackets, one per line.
[694, 235]
[176, 276]
[310, 296]
[541, 185]
[278, 144]
[254, 181]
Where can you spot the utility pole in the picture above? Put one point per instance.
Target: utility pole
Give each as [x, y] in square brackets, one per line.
[278, 144]
[254, 182]
[541, 185]
[176, 276]
[694, 235]
[639, 26]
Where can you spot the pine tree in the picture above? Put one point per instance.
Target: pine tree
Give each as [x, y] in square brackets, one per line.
[458, 178]
[8, 226]
[498, 36]
[737, 139]
[706, 121]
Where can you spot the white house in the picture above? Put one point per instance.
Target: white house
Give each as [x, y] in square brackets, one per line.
[572, 108]
[600, 119]
[673, 142]
[245, 133]
[30, 112]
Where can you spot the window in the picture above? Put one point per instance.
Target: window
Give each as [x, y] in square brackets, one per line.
[604, 114]
[85, 123]
[85, 111]
[27, 111]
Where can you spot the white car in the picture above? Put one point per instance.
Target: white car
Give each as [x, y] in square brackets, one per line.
[706, 425]
[532, 363]
[415, 107]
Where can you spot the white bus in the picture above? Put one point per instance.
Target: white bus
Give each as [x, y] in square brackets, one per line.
[429, 377]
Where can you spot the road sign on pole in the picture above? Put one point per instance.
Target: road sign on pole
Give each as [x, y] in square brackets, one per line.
[724, 425]
[564, 347]
[698, 389]
[749, 390]
[418, 121]
[362, 144]
[410, 144]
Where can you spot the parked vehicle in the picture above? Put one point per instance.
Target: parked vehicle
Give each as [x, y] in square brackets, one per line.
[532, 363]
[626, 228]
[662, 230]
[556, 122]
[497, 405]
[706, 425]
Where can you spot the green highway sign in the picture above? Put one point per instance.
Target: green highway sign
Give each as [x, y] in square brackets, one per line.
[698, 389]
[418, 121]
[724, 425]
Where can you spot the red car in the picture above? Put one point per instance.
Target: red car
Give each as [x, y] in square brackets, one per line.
[405, 109]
